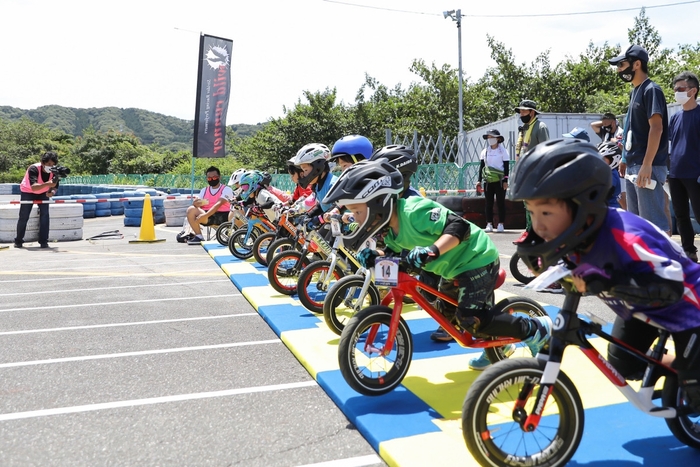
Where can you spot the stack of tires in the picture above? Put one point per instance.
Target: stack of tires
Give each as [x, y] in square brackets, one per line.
[103, 208]
[89, 209]
[8, 224]
[116, 207]
[133, 208]
[66, 222]
[6, 188]
[175, 210]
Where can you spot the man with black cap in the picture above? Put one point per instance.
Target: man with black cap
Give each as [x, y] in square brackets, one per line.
[533, 131]
[607, 128]
[644, 138]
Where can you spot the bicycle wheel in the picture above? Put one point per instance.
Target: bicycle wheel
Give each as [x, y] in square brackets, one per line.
[223, 232]
[284, 269]
[491, 421]
[519, 270]
[277, 247]
[261, 245]
[519, 306]
[686, 427]
[314, 283]
[241, 247]
[362, 365]
[343, 300]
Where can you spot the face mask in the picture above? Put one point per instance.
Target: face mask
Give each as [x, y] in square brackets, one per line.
[492, 141]
[682, 97]
[525, 118]
[47, 169]
[213, 182]
[626, 75]
[606, 128]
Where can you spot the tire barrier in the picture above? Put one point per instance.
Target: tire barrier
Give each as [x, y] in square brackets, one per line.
[175, 211]
[8, 224]
[66, 222]
[6, 188]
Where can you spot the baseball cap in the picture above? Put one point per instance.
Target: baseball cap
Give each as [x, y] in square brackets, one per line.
[578, 133]
[636, 52]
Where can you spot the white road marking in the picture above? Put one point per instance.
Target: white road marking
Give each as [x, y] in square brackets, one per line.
[136, 354]
[152, 400]
[360, 461]
[114, 325]
[99, 304]
[170, 284]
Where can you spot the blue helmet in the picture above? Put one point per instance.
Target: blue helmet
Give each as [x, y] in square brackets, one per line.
[356, 146]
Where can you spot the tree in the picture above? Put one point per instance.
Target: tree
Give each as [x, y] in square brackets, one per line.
[644, 34]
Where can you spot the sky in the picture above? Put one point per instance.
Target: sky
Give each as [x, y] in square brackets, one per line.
[144, 54]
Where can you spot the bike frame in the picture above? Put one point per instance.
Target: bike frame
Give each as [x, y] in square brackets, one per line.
[336, 260]
[570, 329]
[255, 218]
[409, 285]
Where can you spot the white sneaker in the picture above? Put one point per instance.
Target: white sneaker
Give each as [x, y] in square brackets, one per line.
[500, 228]
[489, 228]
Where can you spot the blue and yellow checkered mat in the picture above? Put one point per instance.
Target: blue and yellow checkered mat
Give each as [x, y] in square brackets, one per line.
[419, 423]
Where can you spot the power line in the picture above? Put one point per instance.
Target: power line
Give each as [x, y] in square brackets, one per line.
[535, 15]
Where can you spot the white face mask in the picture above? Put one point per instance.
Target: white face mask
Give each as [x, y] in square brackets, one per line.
[682, 97]
[47, 169]
[492, 141]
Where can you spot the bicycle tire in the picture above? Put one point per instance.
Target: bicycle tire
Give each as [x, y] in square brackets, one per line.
[514, 305]
[237, 245]
[277, 247]
[341, 301]
[519, 270]
[223, 232]
[261, 245]
[284, 269]
[311, 286]
[379, 375]
[493, 435]
[686, 427]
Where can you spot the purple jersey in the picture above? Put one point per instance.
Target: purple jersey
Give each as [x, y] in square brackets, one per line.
[629, 243]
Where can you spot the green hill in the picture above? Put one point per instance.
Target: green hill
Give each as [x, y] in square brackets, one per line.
[149, 127]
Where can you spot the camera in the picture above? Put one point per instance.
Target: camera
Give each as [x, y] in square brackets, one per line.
[60, 171]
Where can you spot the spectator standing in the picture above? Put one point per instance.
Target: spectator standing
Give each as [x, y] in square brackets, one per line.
[684, 176]
[645, 139]
[493, 169]
[533, 131]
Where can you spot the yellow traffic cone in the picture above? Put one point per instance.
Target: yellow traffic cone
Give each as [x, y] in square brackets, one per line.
[147, 234]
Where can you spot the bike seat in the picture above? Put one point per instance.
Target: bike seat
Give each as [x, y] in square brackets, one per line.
[501, 278]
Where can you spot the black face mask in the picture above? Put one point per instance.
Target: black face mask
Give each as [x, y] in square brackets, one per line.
[606, 128]
[526, 118]
[626, 75]
[213, 183]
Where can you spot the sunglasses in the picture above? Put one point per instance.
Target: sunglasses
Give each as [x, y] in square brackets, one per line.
[209, 179]
[680, 89]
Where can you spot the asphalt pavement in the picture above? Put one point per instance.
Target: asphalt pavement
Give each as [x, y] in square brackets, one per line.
[114, 353]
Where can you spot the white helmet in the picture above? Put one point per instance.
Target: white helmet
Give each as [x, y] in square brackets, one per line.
[235, 181]
[612, 150]
[317, 156]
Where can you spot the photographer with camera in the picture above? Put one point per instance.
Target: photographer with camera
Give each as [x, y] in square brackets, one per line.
[40, 183]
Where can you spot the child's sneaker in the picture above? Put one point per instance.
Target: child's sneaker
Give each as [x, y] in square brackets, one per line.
[500, 228]
[489, 228]
[482, 362]
[541, 337]
[554, 287]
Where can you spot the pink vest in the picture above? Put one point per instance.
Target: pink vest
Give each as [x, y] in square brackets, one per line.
[26, 187]
[213, 198]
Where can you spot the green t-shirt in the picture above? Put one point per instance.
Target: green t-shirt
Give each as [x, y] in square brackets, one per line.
[421, 222]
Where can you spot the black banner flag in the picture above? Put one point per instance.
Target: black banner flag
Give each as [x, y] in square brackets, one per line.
[213, 91]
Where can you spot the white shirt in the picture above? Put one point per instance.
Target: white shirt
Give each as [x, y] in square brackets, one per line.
[495, 157]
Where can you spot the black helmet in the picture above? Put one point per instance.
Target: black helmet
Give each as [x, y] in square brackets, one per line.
[567, 169]
[402, 158]
[376, 183]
